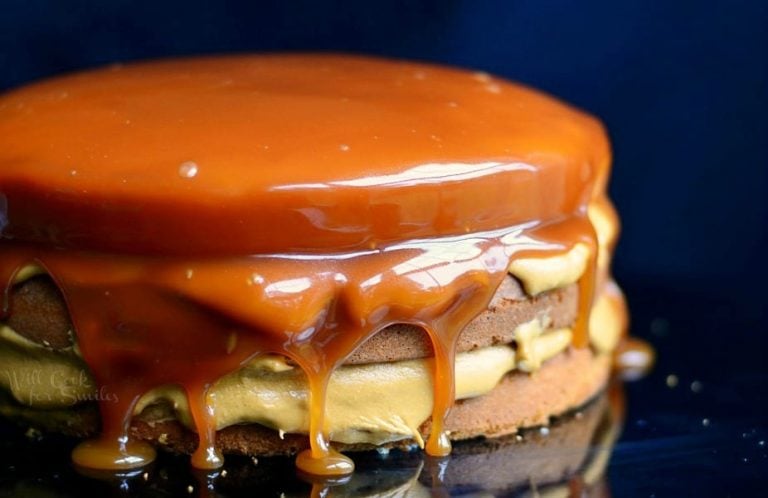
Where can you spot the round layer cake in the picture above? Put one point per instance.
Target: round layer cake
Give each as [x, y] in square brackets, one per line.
[283, 254]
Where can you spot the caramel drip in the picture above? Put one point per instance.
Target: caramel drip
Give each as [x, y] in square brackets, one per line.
[147, 322]
[202, 406]
[587, 284]
[443, 379]
[320, 459]
[577, 229]
[444, 334]
[114, 449]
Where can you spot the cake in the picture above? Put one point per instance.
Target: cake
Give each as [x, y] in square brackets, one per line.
[299, 254]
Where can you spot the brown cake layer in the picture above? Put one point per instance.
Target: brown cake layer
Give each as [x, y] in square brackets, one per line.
[38, 312]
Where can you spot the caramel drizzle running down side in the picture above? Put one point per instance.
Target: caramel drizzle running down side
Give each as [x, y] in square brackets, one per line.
[146, 322]
[577, 229]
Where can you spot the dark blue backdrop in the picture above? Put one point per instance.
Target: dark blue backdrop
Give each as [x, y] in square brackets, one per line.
[683, 89]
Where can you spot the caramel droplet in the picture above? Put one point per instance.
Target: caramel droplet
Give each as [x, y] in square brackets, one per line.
[633, 358]
[113, 454]
[332, 463]
[203, 407]
[587, 286]
[439, 445]
[207, 457]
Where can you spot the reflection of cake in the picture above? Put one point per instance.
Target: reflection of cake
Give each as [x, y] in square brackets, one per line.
[567, 459]
[228, 234]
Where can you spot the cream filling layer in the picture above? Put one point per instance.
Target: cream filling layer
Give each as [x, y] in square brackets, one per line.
[40, 377]
[542, 274]
[373, 403]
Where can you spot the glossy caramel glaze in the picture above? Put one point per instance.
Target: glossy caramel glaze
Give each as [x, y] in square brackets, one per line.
[270, 154]
[198, 213]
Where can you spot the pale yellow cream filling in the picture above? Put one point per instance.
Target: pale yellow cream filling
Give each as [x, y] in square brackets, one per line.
[539, 275]
[373, 403]
[41, 377]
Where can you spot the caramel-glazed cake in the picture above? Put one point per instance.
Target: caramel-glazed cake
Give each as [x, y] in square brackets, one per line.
[299, 254]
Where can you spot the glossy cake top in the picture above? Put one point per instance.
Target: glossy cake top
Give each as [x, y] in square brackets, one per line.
[264, 154]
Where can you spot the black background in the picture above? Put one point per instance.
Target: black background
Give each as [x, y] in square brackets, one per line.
[683, 89]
